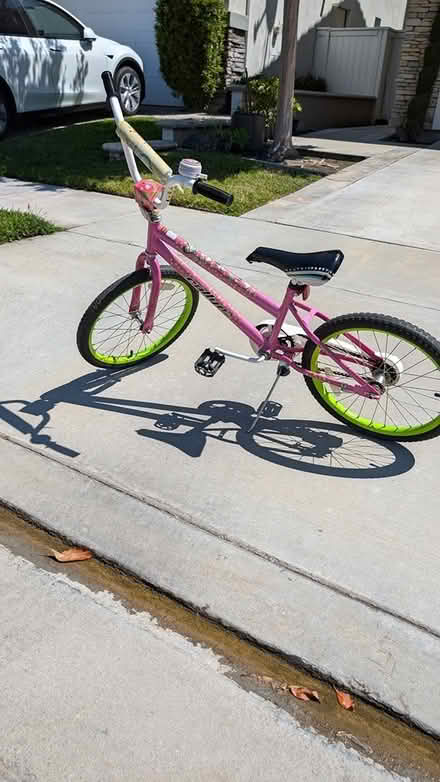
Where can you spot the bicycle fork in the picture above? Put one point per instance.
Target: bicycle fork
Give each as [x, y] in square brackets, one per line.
[151, 260]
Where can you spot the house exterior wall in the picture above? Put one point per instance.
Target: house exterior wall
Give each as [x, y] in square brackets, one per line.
[418, 23]
[238, 6]
[263, 40]
[361, 13]
[254, 33]
[130, 23]
[264, 44]
[235, 61]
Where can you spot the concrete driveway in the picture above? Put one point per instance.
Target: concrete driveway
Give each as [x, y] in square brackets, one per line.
[394, 203]
[306, 536]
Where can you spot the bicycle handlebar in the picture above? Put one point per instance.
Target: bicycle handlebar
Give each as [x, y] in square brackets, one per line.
[109, 86]
[131, 138]
[214, 193]
[143, 151]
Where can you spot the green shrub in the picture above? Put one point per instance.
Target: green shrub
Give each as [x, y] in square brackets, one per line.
[190, 37]
[218, 140]
[310, 82]
[263, 98]
[232, 140]
[240, 139]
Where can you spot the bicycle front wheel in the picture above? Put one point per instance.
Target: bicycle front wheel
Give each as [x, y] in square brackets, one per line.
[406, 368]
[110, 336]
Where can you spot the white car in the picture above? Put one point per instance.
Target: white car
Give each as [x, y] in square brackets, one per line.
[50, 60]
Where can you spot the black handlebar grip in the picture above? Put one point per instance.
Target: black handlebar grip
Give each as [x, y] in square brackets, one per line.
[107, 78]
[214, 193]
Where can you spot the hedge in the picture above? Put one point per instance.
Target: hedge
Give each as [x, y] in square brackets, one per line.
[190, 37]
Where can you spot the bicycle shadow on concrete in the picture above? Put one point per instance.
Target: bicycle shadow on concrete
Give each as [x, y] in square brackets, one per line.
[320, 447]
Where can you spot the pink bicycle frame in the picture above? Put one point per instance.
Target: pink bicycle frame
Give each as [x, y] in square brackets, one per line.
[162, 243]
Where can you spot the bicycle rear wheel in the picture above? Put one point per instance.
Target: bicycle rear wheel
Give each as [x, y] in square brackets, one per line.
[407, 370]
[111, 337]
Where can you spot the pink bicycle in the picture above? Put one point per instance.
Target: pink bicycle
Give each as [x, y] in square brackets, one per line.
[374, 372]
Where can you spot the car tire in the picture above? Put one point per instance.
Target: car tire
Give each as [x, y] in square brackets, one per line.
[129, 88]
[5, 114]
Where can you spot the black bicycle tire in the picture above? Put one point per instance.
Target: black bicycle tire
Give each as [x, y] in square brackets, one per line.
[401, 328]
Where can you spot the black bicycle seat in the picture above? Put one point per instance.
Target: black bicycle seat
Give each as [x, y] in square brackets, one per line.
[304, 268]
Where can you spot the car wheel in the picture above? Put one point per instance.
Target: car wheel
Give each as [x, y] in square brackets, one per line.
[5, 115]
[129, 89]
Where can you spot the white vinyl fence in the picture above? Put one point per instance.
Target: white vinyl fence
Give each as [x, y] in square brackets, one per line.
[359, 61]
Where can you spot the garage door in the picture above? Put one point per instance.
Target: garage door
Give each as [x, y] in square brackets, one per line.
[130, 22]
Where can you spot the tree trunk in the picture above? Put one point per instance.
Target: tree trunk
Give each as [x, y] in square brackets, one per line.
[283, 128]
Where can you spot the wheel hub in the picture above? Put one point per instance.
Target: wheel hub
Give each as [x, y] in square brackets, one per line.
[130, 91]
[388, 371]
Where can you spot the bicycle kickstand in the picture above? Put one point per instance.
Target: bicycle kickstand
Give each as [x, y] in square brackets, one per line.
[282, 371]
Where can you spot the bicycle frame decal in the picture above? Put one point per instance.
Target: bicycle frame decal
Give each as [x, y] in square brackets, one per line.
[165, 244]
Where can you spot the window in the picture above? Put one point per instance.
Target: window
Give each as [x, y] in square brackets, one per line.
[49, 22]
[11, 19]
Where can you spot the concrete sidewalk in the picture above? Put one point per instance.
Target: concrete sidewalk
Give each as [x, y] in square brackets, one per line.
[95, 692]
[389, 198]
[355, 142]
[296, 536]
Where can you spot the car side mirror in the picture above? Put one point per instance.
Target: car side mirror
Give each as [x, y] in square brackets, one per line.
[89, 34]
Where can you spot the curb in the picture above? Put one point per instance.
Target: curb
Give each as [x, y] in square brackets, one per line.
[381, 658]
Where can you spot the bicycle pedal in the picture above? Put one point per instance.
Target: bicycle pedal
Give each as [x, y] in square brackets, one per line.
[209, 362]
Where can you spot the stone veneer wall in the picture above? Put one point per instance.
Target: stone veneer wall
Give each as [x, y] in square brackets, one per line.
[235, 55]
[418, 23]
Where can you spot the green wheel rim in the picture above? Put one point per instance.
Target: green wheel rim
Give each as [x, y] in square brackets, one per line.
[367, 423]
[148, 346]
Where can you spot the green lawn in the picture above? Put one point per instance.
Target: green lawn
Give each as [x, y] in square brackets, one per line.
[73, 157]
[22, 225]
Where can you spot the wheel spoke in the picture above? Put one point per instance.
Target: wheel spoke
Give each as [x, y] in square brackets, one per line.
[117, 336]
[377, 343]
[417, 404]
[420, 378]
[405, 404]
[400, 406]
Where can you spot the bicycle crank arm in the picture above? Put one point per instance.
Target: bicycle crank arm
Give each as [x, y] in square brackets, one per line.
[241, 357]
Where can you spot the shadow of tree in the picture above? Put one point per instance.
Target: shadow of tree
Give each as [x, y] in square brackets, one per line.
[37, 187]
[269, 16]
[33, 73]
[306, 40]
[42, 78]
[307, 446]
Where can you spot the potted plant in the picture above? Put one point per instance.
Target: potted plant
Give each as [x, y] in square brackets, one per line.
[251, 120]
[263, 93]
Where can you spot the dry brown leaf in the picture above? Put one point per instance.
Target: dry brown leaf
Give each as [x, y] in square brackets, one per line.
[261, 679]
[72, 555]
[304, 693]
[345, 700]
